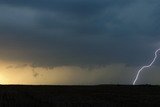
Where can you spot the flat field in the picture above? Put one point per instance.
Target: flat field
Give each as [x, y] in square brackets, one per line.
[79, 96]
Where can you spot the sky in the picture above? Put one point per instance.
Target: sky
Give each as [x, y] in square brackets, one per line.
[78, 42]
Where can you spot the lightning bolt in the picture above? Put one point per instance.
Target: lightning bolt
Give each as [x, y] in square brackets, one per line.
[147, 66]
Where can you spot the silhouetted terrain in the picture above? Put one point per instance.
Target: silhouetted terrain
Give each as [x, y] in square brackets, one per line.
[80, 96]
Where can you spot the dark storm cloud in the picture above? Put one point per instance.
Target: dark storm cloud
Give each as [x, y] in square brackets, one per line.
[79, 32]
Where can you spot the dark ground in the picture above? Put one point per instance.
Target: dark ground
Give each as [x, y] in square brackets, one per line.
[80, 96]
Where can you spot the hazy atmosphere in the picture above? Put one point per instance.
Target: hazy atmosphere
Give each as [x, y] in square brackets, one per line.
[78, 41]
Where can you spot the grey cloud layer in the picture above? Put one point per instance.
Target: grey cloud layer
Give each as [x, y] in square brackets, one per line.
[79, 32]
